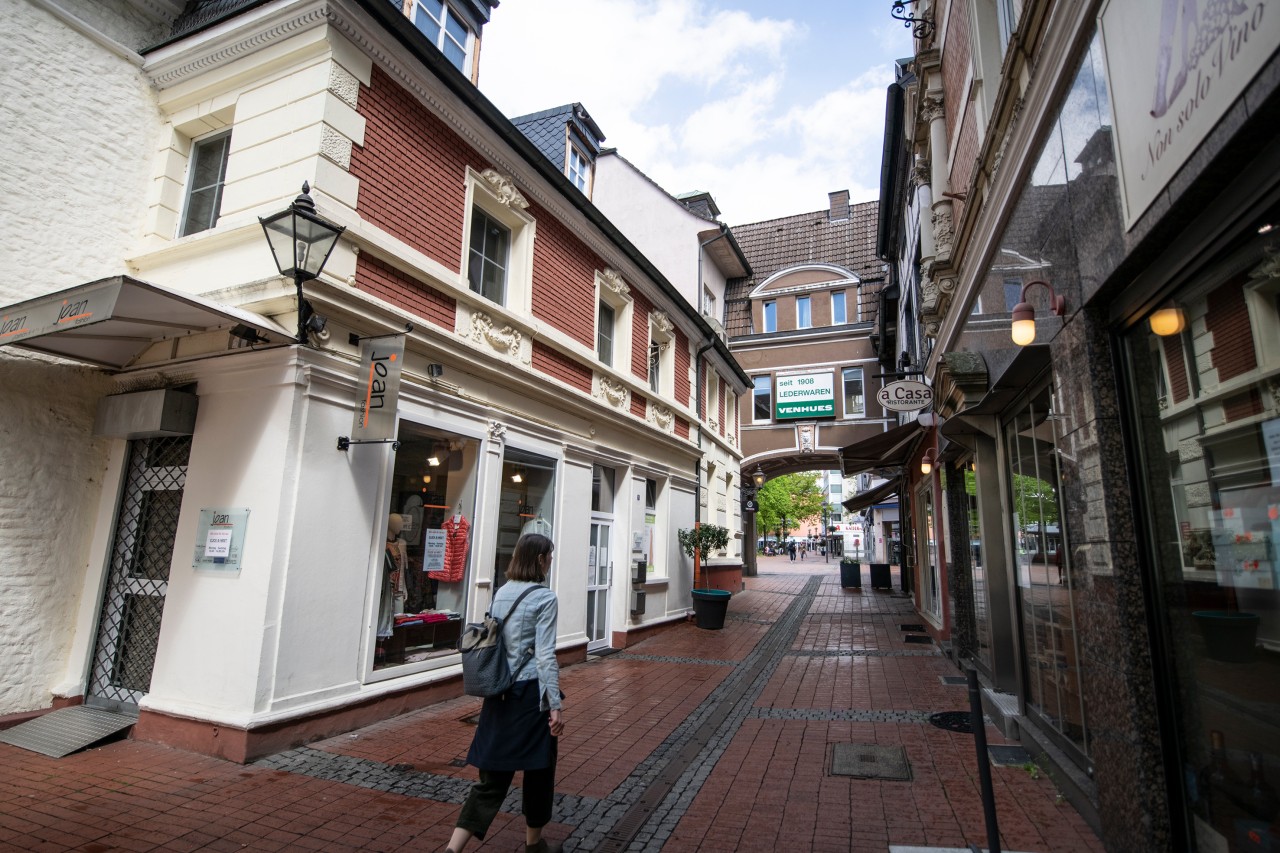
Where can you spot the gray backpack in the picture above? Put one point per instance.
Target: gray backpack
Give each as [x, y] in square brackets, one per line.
[485, 672]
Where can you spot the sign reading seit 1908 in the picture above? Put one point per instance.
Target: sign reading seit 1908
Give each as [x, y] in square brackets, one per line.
[905, 395]
[808, 395]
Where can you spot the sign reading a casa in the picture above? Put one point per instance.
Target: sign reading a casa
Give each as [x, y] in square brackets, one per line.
[805, 395]
[905, 395]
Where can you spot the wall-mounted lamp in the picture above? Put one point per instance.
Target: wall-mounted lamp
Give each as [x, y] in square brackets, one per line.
[927, 461]
[1024, 316]
[1168, 320]
[301, 242]
[758, 477]
[435, 371]
[921, 26]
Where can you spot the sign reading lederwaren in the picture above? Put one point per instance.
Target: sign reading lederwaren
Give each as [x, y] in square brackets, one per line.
[805, 395]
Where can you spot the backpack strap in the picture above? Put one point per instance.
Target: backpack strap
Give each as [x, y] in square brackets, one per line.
[529, 654]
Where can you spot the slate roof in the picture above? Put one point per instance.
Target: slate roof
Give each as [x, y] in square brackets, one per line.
[777, 244]
[545, 129]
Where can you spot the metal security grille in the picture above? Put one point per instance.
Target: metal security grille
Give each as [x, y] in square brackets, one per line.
[142, 549]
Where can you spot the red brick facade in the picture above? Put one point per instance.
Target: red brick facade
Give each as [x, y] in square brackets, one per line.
[1227, 320]
[639, 406]
[387, 283]
[564, 280]
[682, 428]
[683, 395]
[559, 366]
[640, 337]
[412, 171]
[1179, 384]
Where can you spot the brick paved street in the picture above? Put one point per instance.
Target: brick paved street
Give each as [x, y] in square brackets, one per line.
[692, 740]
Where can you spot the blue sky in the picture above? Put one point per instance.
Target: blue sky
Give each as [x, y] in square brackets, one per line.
[767, 106]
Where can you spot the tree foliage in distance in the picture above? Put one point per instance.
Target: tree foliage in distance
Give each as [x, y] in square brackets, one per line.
[796, 496]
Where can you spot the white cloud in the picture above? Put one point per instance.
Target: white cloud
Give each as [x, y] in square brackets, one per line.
[701, 98]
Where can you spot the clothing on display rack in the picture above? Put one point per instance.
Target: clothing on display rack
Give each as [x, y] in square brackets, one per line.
[455, 528]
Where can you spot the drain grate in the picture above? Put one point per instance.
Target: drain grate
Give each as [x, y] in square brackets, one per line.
[67, 730]
[953, 680]
[912, 627]
[1008, 756]
[870, 761]
[917, 638]
[953, 721]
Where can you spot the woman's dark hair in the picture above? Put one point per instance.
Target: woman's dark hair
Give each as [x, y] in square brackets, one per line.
[525, 562]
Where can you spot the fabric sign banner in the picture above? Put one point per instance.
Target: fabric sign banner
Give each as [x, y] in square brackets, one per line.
[381, 360]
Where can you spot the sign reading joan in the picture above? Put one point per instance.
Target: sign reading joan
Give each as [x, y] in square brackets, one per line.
[905, 395]
[380, 361]
[805, 395]
[1173, 70]
[220, 539]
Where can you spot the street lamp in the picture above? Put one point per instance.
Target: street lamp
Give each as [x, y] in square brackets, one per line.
[301, 242]
[758, 477]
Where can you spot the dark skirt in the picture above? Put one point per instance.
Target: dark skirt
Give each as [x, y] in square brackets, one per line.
[513, 734]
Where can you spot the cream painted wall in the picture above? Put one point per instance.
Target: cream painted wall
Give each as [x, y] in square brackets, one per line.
[71, 200]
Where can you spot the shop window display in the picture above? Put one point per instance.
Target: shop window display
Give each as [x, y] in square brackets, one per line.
[428, 546]
[526, 504]
[1205, 391]
[977, 567]
[1043, 565]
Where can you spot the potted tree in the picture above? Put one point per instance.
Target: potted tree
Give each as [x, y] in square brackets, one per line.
[709, 605]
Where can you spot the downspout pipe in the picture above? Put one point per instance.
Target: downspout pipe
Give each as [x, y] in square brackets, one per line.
[697, 373]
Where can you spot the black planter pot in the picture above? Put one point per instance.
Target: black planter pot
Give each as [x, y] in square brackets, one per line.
[850, 574]
[710, 607]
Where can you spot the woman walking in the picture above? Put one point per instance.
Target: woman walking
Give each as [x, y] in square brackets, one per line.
[520, 729]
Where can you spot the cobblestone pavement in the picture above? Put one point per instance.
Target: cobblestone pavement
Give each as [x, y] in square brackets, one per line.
[692, 740]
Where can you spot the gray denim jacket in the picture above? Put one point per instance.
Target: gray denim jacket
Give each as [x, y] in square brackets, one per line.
[534, 624]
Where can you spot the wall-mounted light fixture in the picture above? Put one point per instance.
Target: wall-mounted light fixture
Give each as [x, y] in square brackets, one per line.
[1024, 316]
[301, 242]
[1168, 320]
[927, 461]
[758, 477]
[920, 27]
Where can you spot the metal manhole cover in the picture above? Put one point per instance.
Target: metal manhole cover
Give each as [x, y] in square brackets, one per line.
[912, 627]
[953, 721]
[1008, 756]
[917, 638]
[869, 761]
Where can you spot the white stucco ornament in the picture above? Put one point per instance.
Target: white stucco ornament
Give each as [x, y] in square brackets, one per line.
[505, 339]
[505, 189]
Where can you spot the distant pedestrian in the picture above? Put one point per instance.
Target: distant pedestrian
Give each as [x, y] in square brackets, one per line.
[791, 550]
[520, 729]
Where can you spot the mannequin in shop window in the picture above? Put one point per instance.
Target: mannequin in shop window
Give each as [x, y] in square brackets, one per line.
[393, 563]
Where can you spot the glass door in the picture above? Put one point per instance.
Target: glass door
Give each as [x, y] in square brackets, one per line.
[599, 576]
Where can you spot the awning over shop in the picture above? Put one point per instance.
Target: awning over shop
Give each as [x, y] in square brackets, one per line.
[872, 496]
[886, 450]
[112, 321]
[1009, 385]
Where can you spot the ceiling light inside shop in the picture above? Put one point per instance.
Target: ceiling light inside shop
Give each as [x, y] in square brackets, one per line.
[1168, 320]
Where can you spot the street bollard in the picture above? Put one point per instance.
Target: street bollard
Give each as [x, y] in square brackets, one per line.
[984, 764]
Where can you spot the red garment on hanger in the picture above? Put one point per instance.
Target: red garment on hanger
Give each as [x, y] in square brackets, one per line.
[455, 550]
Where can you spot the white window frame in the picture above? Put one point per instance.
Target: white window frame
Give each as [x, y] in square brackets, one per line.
[804, 319]
[601, 336]
[844, 393]
[708, 303]
[765, 325]
[519, 289]
[623, 309]
[444, 34]
[755, 392]
[663, 383]
[844, 307]
[578, 168]
[221, 137]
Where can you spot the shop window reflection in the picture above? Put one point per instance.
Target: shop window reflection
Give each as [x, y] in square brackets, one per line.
[1210, 453]
[526, 504]
[977, 567]
[1043, 566]
[424, 569]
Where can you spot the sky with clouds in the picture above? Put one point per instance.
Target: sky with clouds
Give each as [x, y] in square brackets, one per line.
[766, 105]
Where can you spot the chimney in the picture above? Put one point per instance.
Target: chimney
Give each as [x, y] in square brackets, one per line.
[839, 205]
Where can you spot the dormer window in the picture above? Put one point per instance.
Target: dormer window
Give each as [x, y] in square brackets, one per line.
[445, 29]
[579, 169]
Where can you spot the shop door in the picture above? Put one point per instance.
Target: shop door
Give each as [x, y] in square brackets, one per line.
[138, 578]
[599, 576]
